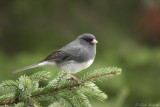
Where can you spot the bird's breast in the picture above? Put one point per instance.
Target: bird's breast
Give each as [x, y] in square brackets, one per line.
[74, 66]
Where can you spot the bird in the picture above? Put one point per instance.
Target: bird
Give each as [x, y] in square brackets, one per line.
[73, 57]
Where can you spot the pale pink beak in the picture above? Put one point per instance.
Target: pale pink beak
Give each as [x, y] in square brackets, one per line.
[94, 41]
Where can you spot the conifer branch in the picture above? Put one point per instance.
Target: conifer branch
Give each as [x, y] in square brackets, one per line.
[61, 90]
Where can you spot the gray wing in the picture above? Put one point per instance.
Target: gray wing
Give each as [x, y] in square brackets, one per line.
[62, 55]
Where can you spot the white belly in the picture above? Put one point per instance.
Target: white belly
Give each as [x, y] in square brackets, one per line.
[74, 67]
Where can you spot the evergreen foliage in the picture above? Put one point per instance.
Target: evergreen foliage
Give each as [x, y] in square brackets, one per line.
[62, 90]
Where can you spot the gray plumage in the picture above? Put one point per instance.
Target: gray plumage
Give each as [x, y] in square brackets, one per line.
[75, 56]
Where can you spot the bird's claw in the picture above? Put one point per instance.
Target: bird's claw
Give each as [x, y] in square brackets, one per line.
[73, 78]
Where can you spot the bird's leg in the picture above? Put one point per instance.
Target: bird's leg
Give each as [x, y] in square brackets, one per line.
[74, 79]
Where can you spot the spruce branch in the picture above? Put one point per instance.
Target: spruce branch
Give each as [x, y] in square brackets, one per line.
[8, 84]
[39, 76]
[60, 91]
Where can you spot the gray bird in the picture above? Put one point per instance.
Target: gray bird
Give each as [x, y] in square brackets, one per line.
[74, 57]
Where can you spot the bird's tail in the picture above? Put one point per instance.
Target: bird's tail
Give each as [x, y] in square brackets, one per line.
[32, 66]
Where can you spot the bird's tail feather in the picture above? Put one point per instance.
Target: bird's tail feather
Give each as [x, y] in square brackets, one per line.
[31, 66]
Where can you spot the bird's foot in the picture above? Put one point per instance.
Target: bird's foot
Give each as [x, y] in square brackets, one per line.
[73, 78]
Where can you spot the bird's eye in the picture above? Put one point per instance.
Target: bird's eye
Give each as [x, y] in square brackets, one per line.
[88, 39]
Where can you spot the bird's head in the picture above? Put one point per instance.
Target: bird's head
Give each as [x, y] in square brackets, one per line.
[88, 38]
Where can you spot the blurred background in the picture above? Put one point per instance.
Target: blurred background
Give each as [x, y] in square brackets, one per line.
[128, 32]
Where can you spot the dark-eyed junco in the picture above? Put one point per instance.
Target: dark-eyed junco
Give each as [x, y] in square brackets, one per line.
[74, 57]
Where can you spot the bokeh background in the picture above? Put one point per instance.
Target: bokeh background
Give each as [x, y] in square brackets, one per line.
[128, 32]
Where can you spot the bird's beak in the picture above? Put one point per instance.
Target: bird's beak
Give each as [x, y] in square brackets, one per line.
[94, 41]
